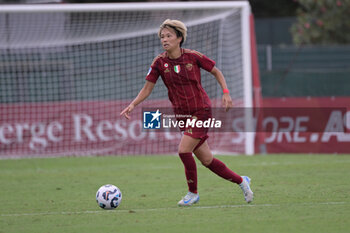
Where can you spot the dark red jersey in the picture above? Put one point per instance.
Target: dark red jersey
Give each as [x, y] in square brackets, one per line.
[182, 77]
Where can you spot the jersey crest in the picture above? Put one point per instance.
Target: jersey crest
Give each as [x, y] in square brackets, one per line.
[177, 69]
[189, 66]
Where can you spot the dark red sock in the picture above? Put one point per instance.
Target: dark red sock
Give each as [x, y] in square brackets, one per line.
[190, 171]
[220, 169]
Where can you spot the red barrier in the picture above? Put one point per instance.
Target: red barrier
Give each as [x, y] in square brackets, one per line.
[95, 128]
[89, 128]
[296, 141]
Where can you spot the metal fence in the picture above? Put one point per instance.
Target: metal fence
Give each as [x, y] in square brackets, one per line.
[304, 71]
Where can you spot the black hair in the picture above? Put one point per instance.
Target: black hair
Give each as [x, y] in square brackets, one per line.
[178, 33]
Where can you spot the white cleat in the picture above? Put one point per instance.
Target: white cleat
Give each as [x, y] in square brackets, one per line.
[245, 186]
[189, 199]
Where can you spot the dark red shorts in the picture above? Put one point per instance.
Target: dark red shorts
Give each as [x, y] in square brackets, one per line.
[193, 130]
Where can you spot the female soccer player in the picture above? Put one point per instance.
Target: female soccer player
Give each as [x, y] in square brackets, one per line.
[180, 71]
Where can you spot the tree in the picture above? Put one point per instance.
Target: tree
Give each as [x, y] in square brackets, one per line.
[322, 22]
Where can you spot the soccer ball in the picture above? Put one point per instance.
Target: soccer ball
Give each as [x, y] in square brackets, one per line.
[108, 197]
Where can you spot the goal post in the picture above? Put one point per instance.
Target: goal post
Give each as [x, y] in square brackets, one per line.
[67, 70]
[125, 7]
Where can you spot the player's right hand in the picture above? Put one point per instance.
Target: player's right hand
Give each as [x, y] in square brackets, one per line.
[126, 112]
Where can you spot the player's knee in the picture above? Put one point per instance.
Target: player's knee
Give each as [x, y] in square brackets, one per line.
[183, 150]
[206, 161]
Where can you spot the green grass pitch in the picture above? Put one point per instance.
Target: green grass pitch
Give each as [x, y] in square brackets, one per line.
[293, 193]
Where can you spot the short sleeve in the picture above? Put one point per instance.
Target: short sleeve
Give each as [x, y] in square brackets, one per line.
[205, 62]
[153, 72]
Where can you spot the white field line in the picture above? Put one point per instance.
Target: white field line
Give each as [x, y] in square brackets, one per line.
[171, 208]
[294, 163]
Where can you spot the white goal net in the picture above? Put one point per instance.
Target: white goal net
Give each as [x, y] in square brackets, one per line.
[66, 72]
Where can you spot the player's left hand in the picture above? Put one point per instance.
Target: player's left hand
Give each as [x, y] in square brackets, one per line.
[227, 101]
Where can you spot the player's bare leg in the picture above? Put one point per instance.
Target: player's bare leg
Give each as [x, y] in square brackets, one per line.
[203, 153]
[187, 144]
